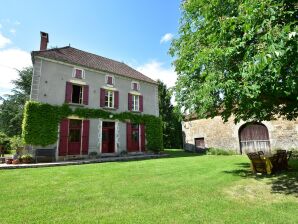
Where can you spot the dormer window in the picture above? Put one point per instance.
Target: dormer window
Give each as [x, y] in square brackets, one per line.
[78, 73]
[135, 86]
[110, 80]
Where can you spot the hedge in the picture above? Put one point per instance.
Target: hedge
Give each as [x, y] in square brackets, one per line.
[41, 121]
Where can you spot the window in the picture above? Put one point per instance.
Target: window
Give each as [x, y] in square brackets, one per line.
[110, 80]
[135, 86]
[109, 99]
[78, 73]
[77, 94]
[135, 102]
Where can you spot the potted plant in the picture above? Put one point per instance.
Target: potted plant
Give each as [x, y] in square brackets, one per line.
[8, 160]
[27, 158]
[15, 161]
[93, 155]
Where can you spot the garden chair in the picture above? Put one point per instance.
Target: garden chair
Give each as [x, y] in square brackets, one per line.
[261, 153]
[282, 161]
[258, 164]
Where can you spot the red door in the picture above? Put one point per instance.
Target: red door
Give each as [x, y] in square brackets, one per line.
[108, 137]
[74, 138]
[133, 137]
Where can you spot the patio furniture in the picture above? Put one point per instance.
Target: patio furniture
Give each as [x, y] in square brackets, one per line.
[261, 153]
[45, 155]
[259, 164]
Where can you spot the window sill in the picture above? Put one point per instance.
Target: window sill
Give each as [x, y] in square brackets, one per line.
[76, 104]
[136, 111]
[108, 108]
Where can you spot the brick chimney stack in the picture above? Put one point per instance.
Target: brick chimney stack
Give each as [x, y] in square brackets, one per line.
[44, 39]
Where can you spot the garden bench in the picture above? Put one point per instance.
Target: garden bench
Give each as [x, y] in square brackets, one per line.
[45, 155]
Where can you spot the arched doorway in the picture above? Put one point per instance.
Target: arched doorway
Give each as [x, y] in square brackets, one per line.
[254, 137]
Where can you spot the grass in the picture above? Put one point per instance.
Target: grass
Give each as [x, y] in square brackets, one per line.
[185, 188]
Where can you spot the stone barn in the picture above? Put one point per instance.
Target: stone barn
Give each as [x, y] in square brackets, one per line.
[242, 137]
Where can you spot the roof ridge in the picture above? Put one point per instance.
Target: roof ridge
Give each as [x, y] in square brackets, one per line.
[97, 55]
[53, 49]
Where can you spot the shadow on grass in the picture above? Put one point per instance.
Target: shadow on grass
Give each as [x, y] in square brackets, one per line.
[283, 182]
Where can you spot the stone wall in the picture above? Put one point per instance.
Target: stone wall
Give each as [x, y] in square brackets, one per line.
[216, 133]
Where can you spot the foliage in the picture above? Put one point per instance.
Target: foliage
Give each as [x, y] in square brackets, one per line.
[11, 109]
[40, 124]
[27, 156]
[238, 58]
[16, 142]
[172, 129]
[219, 151]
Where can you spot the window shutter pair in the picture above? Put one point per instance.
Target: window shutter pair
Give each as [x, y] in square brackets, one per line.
[130, 102]
[102, 98]
[68, 93]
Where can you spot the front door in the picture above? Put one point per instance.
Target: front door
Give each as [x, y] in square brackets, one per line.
[135, 138]
[108, 137]
[74, 138]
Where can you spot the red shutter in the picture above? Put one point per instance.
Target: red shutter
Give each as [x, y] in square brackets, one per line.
[142, 137]
[86, 95]
[102, 97]
[116, 99]
[141, 103]
[85, 137]
[128, 136]
[129, 102]
[63, 141]
[68, 92]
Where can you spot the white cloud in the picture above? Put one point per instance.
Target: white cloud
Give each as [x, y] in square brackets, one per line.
[166, 38]
[4, 41]
[10, 60]
[155, 70]
[13, 31]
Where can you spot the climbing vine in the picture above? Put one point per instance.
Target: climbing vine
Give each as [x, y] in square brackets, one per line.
[40, 123]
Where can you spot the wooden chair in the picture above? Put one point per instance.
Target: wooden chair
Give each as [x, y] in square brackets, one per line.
[259, 165]
[276, 162]
[261, 153]
[282, 162]
[289, 154]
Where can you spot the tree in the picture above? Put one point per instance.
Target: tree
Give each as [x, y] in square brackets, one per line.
[11, 109]
[172, 131]
[238, 58]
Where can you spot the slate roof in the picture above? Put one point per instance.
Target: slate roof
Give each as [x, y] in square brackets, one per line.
[82, 58]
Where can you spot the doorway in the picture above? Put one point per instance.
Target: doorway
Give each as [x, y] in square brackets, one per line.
[108, 137]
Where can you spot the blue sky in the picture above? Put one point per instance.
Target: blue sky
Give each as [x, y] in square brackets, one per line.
[130, 31]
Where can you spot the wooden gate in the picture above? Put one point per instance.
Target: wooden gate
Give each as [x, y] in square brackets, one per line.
[254, 137]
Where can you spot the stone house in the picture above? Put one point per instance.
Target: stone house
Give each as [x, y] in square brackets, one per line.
[242, 137]
[82, 79]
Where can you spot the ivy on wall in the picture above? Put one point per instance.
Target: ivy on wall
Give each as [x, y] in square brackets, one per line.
[40, 123]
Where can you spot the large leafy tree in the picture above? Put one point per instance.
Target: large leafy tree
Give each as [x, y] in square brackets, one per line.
[11, 109]
[172, 130]
[238, 57]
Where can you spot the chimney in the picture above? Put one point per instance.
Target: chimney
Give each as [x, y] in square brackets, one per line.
[44, 39]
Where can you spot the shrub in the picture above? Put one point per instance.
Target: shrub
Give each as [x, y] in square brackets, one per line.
[16, 142]
[219, 151]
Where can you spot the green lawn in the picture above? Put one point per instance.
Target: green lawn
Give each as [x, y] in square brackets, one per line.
[185, 188]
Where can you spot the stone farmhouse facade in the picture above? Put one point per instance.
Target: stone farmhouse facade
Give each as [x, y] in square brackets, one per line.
[242, 137]
[85, 80]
